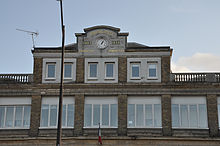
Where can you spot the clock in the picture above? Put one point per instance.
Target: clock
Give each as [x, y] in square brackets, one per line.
[101, 43]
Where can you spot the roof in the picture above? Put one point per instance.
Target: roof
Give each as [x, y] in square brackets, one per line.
[101, 27]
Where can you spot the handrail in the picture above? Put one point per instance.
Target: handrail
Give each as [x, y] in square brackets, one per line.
[195, 77]
[16, 78]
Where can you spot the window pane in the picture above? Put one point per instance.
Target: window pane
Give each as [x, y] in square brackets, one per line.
[9, 116]
[70, 115]
[88, 115]
[2, 115]
[184, 116]
[152, 70]
[27, 114]
[96, 114]
[18, 116]
[109, 70]
[140, 115]
[175, 115]
[44, 115]
[135, 70]
[131, 115]
[157, 115]
[68, 70]
[93, 70]
[64, 116]
[114, 115]
[51, 71]
[202, 116]
[53, 115]
[148, 115]
[193, 116]
[218, 115]
[105, 114]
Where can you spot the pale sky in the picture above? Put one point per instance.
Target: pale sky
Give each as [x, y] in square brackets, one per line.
[190, 27]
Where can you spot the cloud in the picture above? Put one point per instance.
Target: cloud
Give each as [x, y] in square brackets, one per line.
[199, 62]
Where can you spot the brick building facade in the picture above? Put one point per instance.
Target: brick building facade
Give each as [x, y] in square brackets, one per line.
[127, 87]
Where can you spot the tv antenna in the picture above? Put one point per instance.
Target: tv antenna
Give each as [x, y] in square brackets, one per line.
[32, 33]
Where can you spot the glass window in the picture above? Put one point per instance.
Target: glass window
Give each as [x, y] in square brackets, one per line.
[109, 70]
[152, 72]
[67, 70]
[189, 115]
[49, 115]
[131, 115]
[14, 116]
[135, 70]
[144, 115]
[88, 115]
[93, 70]
[51, 70]
[219, 114]
[105, 114]
[2, 116]
[140, 115]
[18, 116]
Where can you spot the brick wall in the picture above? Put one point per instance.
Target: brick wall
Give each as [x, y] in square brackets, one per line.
[38, 66]
[212, 112]
[166, 115]
[35, 115]
[165, 69]
[80, 65]
[79, 114]
[122, 69]
[122, 115]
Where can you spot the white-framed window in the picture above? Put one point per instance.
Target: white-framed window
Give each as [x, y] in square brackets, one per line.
[189, 112]
[144, 112]
[49, 112]
[93, 67]
[152, 70]
[218, 111]
[68, 69]
[135, 70]
[109, 70]
[103, 110]
[144, 69]
[51, 70]
[15, 113]
[101, 70]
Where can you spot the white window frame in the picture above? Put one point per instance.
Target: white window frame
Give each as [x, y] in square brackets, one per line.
[55, 101]
[57, 61]
[184, 100]
[113, 77]
[101, 70]
[97, 68]
[145, 100]
[144, 70]
[14, 102]
[131, 70]
[148, 71]
[47, 72]
[100, 101]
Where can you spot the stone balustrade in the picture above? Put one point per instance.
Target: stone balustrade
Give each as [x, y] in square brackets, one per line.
[16, 78]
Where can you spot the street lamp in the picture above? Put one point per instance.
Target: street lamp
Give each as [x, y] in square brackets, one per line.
[59, 126]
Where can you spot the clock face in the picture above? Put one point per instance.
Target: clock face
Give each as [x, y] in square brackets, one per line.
[101, 43]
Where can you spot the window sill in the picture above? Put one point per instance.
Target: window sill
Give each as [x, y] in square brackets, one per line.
[13, 128]
[100, 127]
[50, 79]
[144, 127]
[189, 128]
[55, 127]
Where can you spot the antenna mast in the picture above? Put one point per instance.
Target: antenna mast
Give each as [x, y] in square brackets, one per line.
[32, 33]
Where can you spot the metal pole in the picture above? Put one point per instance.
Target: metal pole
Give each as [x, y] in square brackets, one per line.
[59, 126]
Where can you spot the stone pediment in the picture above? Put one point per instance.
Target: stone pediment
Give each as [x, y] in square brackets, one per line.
[101, 39]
